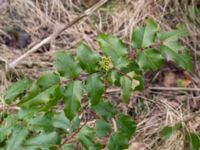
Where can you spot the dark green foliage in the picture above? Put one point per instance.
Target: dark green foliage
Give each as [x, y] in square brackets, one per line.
[143, 37]
[85, 79]
[66, 65]
[72, 99]
[118, 141]
[102, 128]
[88, 59]
[95, 88]
[16, 90]
[126, 125]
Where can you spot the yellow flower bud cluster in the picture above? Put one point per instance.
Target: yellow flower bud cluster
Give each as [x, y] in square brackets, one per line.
[106, 63]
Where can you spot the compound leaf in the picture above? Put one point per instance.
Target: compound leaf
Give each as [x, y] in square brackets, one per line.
[72, 99]
[150, 59]
[117, 141]
[86, 138]
[126, 88]
[173, 35]
[172, 50]
[66, 65]
[16, 89]
[4, 133]
[143, 37]
[68, 147]
[60, 121]
[182, 57]
[126, 125]
[102, 128]
[104, 109]
[95, 88]
[42, 123]
[112, 46]
[47, 80]
[46, 140]
[18, 136]
[88, 59]
[43, 100]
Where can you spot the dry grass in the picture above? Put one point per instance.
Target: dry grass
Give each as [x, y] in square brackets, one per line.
[165, 113]
[41, 18]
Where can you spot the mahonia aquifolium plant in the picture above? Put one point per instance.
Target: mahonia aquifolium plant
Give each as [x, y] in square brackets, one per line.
[50, 114]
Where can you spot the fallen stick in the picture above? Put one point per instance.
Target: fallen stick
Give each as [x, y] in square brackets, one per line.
[174, 89]
[88, 12]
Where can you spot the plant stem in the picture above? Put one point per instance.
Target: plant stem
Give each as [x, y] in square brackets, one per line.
[72, 135]
[122, 73]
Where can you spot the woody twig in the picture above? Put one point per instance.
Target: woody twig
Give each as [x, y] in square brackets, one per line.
[87, 13]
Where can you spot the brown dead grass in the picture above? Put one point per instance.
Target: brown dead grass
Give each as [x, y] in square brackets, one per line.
[40, 18]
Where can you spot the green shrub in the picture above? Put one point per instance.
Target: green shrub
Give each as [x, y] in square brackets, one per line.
[88, 75]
